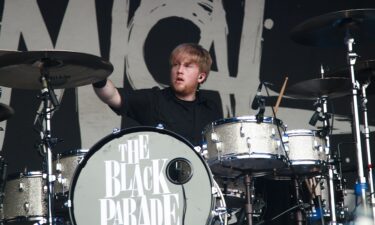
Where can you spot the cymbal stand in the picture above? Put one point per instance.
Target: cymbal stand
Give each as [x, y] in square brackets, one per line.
[368, 149]
[331, 166]
[351, 57]
[47, 141]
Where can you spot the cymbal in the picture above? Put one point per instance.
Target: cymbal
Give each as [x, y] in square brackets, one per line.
[331, 87]
[331, 29]
[5, 112]
[364, 71]
[66, 69]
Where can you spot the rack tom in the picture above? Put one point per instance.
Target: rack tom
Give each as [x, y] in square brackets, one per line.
[243, 143]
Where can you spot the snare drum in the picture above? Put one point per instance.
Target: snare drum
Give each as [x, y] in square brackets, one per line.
[25, 198]
[242, 143]
[142, 175]
[306, 152]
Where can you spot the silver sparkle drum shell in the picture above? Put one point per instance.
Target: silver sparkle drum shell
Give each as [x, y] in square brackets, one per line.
[64, 167]
[306, 152]
[141, 159]
[241, 143]
[25, 197]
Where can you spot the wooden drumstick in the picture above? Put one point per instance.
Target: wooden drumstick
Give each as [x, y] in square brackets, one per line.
[280, 95]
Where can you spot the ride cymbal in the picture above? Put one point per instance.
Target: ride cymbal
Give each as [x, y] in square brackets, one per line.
[65, 69]
[333, 28]
[331, 87]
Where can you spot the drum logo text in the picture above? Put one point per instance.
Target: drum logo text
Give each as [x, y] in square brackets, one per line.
[136, 188]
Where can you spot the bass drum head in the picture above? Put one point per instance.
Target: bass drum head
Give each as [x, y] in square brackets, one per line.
[141, 176]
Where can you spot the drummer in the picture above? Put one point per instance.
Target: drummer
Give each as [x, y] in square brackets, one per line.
[182, 107]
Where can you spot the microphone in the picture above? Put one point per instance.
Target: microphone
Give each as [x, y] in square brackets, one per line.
[262, 109]
[316, 116]
[255, 103]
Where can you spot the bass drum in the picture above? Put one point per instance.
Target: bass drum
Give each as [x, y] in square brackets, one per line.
[142, 175]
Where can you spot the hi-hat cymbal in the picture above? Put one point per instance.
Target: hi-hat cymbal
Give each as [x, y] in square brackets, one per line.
[5, 112]
[331, 87]
[65, 69]
[331, 29]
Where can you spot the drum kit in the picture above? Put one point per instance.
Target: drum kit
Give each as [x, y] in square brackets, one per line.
[149, 175]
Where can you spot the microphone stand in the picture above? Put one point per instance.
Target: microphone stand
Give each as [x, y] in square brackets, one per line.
[368, 149]
[331, 165]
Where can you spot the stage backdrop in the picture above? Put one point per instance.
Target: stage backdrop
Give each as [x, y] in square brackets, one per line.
[248, 40]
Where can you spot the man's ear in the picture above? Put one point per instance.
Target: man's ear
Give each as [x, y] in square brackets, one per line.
[202, 77]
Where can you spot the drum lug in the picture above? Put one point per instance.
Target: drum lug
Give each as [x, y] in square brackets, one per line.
[58, 167]
[326, 150]
[278, 145]
[214, 138]
[116, 130]
[160, 126]
[285, 141]
[26, 206]
[21, 187]
[273, 133]
[242, 132]
[248, 142]
[317, 146]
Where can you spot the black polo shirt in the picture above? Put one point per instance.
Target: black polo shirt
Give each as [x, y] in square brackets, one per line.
[151, 107]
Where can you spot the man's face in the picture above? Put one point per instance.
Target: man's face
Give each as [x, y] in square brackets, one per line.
[185, 76]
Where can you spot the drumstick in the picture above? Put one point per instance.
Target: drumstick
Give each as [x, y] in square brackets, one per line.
[280, 95]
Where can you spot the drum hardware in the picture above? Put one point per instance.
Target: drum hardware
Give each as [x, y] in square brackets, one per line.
[25, 198]
[66, 69]
[330, 87]
[255, 102]
[249, 195]
[45, 71]
[331, 167]
[242, 144]
[366, 132]
[323, 89]
[329, 30]
[134, 186]
[300, 205]
[65, 165]
[318, 206]
[335, 28]
[365, 71]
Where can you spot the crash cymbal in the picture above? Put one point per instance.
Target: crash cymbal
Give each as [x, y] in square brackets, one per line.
[66, 69]
[331, 87]
[331, 29]
[5, 112]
